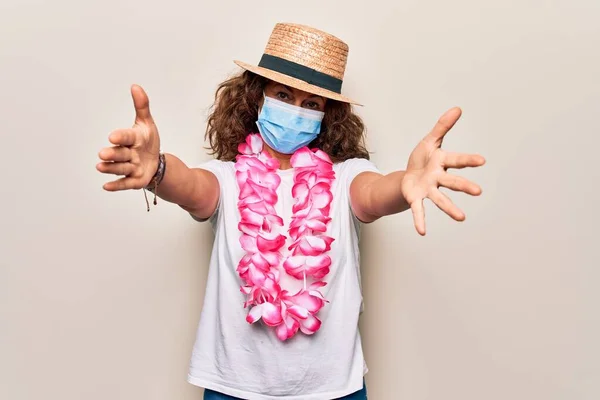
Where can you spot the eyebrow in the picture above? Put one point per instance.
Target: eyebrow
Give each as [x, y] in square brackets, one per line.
[312, 95]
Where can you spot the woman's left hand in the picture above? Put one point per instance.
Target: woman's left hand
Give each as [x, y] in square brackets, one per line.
[426, 172]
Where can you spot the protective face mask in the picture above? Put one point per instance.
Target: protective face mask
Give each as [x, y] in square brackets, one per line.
[287, 128]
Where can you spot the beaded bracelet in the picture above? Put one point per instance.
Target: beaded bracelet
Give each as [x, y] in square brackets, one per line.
[156, 179]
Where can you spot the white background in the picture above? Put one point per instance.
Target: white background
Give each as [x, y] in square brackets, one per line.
[100, 299]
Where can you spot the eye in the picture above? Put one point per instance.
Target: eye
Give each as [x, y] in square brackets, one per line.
[282, 96]
[313, 105]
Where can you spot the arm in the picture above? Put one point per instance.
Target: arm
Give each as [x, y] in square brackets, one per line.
[193, 189]
[373, 195]
[135, 156]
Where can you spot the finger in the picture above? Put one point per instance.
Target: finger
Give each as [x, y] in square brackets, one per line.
[116, 168]
[123, 137]
[141, 104]
[116, 153]
[461, 160]
[444, 124]
[459, 184]
[419, 216]
[444, 203]
[125, 183]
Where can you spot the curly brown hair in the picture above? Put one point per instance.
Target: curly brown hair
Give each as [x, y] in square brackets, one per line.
[235, 111]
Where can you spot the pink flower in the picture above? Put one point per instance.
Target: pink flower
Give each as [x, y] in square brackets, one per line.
[314, 221]
[264, 221]
[256, 268]
[252, 274]
[256, 204]
[316, 196]
[247, 163]
[262, 253]
[263, 178]
[260, 238]
[310, 158]
[323, 157]
[268, 290]
[289, 325]
[311, 245]
[265, 242]
[313, 176]
[315, 266]
[269, 312]
[298, 312]
[252, 146]
[310, 325]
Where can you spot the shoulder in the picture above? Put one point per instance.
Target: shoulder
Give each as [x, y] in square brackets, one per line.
[221, 169]
[216, 165]
[347, 170]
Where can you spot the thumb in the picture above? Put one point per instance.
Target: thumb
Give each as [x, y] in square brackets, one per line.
[141, 104]
[444, 124]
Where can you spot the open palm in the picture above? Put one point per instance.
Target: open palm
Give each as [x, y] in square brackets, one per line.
[427, 171]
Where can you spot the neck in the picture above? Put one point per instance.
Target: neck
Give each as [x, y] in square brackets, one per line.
[284, 159]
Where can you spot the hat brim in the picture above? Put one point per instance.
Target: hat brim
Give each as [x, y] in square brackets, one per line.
[295, 83]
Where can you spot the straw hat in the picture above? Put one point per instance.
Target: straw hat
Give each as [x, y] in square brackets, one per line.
[304, 58]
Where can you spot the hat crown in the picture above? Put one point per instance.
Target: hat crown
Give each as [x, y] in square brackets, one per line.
[309, 47]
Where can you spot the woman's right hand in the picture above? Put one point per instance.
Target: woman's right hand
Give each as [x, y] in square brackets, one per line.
[136, 150]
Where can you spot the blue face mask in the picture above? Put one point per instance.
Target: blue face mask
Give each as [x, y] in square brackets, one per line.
[286, 128]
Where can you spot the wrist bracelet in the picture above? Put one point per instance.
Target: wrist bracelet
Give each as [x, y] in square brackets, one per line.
[156, 179]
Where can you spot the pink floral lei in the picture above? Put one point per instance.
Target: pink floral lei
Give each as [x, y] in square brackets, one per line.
[259, 268]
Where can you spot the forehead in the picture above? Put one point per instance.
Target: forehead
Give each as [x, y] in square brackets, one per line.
[296, 92]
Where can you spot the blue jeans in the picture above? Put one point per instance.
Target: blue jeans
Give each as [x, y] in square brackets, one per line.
[212, 395]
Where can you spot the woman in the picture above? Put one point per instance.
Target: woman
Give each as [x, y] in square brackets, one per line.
[283, 298]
